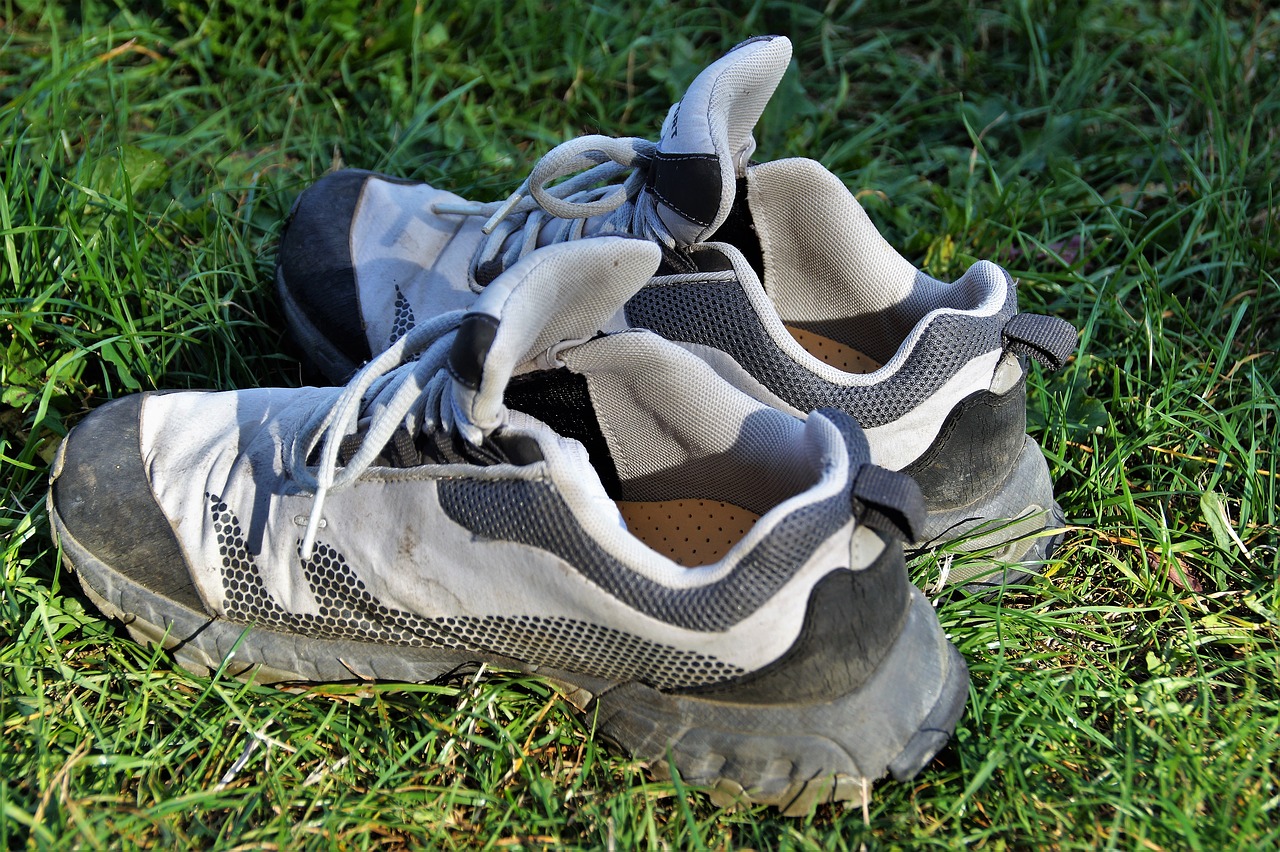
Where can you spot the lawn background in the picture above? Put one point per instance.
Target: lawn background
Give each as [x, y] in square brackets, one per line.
[1121, 158]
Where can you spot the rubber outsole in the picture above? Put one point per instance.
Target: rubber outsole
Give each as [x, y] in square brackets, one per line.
[796, 756]
[1006, 551]
[790, 755]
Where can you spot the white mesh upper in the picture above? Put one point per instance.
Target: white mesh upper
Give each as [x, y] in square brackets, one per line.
[399, 246]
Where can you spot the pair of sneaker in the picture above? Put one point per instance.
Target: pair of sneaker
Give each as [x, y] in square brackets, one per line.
[591, 439]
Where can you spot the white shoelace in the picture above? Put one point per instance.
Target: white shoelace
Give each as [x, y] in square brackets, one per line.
[544, 215]
[390, 393]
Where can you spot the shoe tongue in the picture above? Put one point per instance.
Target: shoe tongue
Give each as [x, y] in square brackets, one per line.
[561, 293]
[706, 138]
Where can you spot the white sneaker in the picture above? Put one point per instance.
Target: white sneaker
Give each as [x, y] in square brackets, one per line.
[722, 584]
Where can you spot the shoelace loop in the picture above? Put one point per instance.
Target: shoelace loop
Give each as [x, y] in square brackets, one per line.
[541, 214]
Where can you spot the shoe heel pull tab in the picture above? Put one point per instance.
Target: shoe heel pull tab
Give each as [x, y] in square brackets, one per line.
[888, 502]
[1049, 340]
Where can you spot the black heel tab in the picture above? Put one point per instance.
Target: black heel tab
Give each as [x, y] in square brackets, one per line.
[1049, 340]
[888, 502]
[885, 500]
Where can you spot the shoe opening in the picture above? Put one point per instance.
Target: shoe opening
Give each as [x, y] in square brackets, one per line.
[691, 462]
[842, 291]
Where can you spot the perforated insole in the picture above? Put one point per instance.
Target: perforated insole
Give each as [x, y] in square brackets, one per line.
[836, 354]
[689, 532]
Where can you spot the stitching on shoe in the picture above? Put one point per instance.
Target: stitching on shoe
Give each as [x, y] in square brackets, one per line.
[652, 184]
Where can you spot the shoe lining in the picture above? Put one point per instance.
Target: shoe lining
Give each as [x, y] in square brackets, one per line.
[689, 532]
[836, 354]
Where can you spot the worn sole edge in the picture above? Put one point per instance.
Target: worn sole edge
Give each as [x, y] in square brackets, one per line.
[829, 752]
[894, 723]
[1011, 552]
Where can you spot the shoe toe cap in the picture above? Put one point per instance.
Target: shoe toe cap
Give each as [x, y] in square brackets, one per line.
[105, 513]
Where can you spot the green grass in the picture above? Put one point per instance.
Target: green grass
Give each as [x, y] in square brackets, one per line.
[1121, 158]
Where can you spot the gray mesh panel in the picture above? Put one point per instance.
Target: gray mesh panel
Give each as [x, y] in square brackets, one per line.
[579, 646]
[348, 611]
[719, 314]
[533, 513]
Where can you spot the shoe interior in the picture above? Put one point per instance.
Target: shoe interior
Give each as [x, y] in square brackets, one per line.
[840, 289]
[688, 532]
[691, 462]
[842, 356]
